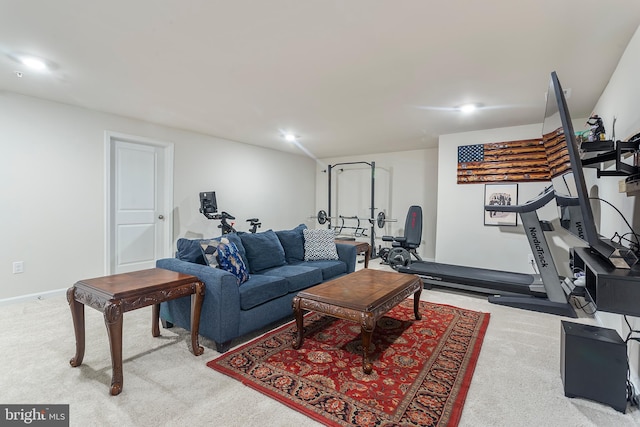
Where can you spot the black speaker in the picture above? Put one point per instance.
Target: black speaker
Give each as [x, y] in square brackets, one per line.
[593, 364]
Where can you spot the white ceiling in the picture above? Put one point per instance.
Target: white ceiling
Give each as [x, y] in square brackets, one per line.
[347, 76]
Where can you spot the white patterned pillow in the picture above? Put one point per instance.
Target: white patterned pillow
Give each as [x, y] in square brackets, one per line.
[319, 244]
[210, 252]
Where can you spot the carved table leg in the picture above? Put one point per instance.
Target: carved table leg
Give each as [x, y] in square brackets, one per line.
[196, 309]
[77, 314]
[155, 320]
[113, 321]
[298, 314]
[367, 326]
[416, 303]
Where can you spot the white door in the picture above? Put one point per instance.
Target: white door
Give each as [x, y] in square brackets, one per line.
[139, 223]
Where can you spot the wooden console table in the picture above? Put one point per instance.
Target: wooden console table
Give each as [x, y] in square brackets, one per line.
[117, 294]
[361, 247]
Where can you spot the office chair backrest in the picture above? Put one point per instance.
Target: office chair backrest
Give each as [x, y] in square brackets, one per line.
[413, 227]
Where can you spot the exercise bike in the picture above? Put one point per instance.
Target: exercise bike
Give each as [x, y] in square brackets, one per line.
[254, 223]
[209, 208]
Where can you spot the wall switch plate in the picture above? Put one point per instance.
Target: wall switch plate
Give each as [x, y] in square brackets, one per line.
[18, 267]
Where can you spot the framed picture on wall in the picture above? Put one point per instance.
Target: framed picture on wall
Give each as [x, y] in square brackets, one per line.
[503, 195]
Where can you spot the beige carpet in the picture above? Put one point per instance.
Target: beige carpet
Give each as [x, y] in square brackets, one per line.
[516, 382]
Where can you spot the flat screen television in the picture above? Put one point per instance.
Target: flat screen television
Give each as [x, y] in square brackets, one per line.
[567, 177]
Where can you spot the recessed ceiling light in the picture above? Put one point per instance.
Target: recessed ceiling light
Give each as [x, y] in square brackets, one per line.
[289, 137]
[468, 108]
[34, 63]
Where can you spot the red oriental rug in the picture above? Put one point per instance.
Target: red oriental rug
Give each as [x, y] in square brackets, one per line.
[421, 368]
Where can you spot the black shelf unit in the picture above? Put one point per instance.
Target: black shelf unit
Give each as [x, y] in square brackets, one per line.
[597, 152]
[614, 290]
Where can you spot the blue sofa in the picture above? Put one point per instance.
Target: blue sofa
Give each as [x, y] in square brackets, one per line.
[278, 271]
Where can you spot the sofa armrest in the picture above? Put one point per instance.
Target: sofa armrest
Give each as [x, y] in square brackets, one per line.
[347, 253]
[221, 306]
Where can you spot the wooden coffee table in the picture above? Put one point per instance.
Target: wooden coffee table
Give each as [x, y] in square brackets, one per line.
[362, 297]
[114, 295]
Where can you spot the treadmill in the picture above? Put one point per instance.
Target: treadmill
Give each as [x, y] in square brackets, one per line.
[537, 292]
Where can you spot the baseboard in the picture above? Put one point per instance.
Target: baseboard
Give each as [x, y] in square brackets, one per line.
[31, 297]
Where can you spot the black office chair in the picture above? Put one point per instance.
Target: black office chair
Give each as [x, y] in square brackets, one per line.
[404, 246]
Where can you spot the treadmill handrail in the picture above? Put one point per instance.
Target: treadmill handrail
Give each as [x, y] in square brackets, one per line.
[567, 200]
[531, 206]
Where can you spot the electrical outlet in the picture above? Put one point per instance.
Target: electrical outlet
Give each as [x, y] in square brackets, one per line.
[18, 267]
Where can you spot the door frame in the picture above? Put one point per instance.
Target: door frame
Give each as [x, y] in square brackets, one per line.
[110, 139]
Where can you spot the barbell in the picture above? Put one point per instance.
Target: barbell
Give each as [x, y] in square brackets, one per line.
[380, 220]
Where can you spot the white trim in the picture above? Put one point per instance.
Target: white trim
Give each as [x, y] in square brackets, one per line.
[109, 138]
[32, 297]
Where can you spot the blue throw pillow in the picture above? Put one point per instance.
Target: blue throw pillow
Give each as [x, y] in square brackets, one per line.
[230, 260]
[235, 239]
[263, 250]
[293, 243]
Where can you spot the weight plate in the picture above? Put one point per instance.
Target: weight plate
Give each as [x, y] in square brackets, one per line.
[398, 257]
[384, 254]
[322, 216]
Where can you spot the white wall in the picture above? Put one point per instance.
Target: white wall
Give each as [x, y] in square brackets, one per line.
[52, 188]
[402, 179]
[462, 237]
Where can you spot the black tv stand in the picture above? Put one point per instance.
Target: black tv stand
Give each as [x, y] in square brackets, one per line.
[614, 290]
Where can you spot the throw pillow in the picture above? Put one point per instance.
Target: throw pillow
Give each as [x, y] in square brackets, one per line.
[235, 239]
[210, 252]
[189, 250]
[230, 260]
[263, 250]
[293, 243]
[319, 244]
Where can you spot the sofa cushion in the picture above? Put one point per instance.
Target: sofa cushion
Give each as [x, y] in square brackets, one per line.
[329, 268]
[293, 243]
[260, 289]
[189, 250]
[230, 260]
[263, 250]
[319, 244]
[298, 276]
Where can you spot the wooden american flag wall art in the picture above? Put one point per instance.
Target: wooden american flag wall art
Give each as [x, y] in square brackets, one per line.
[512, 161]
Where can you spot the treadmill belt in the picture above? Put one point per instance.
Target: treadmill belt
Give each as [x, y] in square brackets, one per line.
[497, 280]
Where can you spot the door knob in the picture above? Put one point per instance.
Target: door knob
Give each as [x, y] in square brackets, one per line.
[161, 217]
